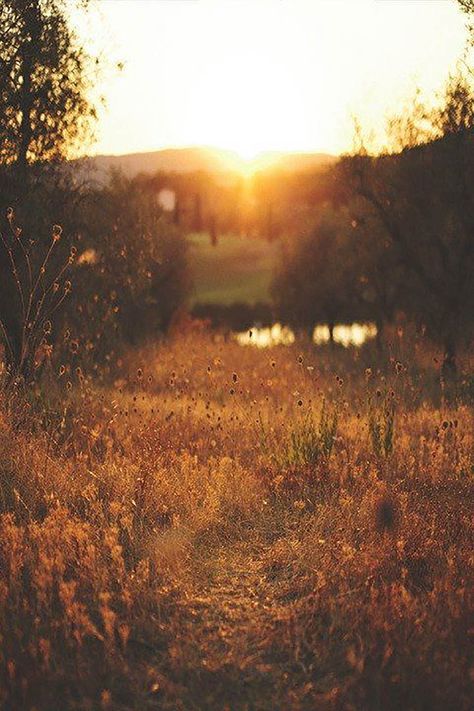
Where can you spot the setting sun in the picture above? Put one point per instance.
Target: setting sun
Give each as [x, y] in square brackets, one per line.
[252, 77]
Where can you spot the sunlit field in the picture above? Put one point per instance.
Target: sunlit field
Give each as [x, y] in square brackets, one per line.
[236, 269]
[223, 526]
[236, 355]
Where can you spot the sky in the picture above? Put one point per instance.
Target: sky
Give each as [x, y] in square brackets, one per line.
[259, 75]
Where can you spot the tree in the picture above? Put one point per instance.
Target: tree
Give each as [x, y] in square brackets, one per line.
[45, 110]
[45, 76]
[467, 6]
[377, 277]
[131, 275]
[422, 200]
[315, 280]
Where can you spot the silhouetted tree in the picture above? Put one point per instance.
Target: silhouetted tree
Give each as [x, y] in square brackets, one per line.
[467, 6]
[45, 110]
[213, 229]
[422, 200]
[197, 213]
[45, 76]
[315, 277]
[131, 274]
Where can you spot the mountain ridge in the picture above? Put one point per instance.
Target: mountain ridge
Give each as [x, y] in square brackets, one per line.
[200, 158]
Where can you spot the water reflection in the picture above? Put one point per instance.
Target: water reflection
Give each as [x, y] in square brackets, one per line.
[276, 335]
[354, 334]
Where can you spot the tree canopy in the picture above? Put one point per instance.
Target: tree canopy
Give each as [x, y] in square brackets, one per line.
[45, 77]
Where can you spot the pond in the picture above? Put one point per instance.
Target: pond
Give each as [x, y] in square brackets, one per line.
[354, 334]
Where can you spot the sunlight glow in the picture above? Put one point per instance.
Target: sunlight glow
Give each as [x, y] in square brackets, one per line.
[269, 75]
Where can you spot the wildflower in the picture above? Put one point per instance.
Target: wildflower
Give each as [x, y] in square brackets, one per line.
[57, 231]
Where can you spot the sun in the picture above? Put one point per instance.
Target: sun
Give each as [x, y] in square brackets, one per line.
[248, 152]
[250, 107]
[249, 101]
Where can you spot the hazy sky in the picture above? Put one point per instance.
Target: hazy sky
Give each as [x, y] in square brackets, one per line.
[253, 75]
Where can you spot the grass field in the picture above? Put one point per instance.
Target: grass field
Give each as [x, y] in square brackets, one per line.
[238, 269]
[225, 527]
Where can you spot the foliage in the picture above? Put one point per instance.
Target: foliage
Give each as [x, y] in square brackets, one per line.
[33, 289]
[129, 281]
[45, 77]
[307, 443]
[467, 6]
[382, 423]
[315, 280]
[412, 213]
[132, 276]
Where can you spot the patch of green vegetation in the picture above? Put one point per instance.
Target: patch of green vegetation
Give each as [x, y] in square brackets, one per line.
[236, 269]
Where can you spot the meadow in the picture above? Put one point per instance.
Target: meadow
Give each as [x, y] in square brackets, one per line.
[208, 526]
[237, 269]
[236, 396]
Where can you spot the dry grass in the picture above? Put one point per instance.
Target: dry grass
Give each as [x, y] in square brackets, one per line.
[201, 534]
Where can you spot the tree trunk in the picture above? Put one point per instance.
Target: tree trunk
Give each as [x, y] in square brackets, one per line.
[25, 107]
[449, 366]
[331, 332]
[379, 335]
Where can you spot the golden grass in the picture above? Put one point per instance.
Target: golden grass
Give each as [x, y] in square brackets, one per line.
[196, 534]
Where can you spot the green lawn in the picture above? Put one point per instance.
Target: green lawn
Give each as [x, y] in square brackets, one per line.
[237, 269]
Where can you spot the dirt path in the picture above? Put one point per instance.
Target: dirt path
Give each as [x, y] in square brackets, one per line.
[225, 648]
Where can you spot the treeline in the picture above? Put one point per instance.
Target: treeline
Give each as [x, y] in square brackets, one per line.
[268, 204]
[397, 235]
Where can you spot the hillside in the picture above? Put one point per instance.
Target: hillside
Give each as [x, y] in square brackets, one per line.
[193, 159]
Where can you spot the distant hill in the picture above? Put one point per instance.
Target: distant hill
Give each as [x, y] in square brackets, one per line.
[190, 160]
